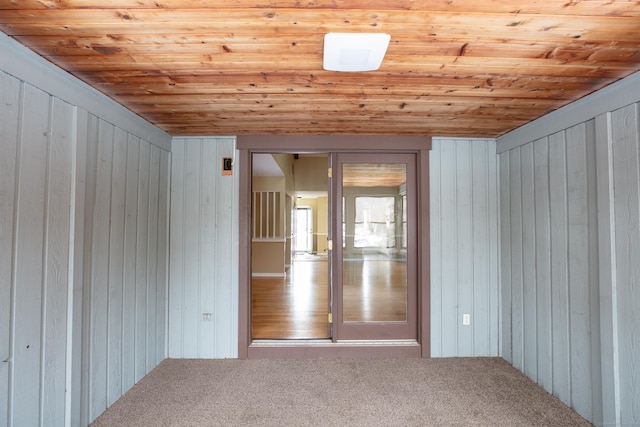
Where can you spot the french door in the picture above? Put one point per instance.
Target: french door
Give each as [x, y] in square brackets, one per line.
[374, 257]
[377, 242]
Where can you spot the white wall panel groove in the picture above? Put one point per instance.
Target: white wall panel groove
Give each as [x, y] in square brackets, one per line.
[464, 247]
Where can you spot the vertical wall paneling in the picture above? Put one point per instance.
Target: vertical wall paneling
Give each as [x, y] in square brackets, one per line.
[90, 138]
[208, 214]
[618, 181]
[529, 320]
[549, 193]
[587, 240]
[69, 186]
[116, 267]
[480, 220]
[100, 270]
[35, 230]
[152, 260]
[225, 321]
[493, 227]
[142, 253]
[606, 270]
[549, 248]
[544, 324]
[505, 257]
[191, 314]
[57, 243]
[517, 313]
[30, 256]
[594, 287]
[121, 306]
[176, 264]
[435, 182]
[559, 269]
[10, 92]
[464, 250]
[464, 254]
[626, 206]
[448, 256]
[76, 395]
[203, 262]
[129, 257]
[163, 256]
[579, 281]
[127, 261]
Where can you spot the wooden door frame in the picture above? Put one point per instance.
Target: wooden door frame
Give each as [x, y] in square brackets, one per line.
[249, 144]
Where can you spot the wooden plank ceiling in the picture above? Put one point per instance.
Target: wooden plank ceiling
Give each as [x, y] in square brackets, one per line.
[227, 67]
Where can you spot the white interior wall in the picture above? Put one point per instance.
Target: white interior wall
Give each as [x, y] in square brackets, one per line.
[464, 247]
[37, 147]
[77, 181]
[126, 256]
[570, 241]
[549, 281]
[203, 294]
[204, 213]
[618, 172]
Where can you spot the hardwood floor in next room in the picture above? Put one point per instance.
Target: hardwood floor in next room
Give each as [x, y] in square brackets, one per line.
[293, 307]
[296, 306]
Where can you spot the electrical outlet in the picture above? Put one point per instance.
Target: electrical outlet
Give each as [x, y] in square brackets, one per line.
[466, 319]
[206, 317]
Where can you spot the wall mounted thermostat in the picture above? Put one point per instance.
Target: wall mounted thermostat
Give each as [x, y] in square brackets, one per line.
[227, 165]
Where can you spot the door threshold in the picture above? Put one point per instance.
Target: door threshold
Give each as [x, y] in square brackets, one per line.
[329, 343]
[327, 349]
[290, 341]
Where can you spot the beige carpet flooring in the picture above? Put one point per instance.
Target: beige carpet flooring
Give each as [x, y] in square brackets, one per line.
[343, 392]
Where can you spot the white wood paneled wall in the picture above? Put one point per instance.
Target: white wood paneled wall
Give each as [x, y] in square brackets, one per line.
[126, 261]
[570, 249]
[83, 237]
[36, 181]
[549, 269]
[203, 296]
[618, 160]
[464, 247]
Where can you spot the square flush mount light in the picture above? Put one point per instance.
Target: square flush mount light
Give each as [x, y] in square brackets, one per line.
[354, 51]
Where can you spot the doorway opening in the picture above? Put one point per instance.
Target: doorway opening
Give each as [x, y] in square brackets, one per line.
[341, 267]
[290, 270]
[303, 231]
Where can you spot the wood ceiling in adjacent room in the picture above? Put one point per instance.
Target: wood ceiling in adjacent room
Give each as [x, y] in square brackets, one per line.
[229, 67]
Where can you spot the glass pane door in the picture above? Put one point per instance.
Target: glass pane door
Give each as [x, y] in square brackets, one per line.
[376, 269]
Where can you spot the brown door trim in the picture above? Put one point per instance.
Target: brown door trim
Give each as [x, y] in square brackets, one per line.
[352, 144]
[323, 144]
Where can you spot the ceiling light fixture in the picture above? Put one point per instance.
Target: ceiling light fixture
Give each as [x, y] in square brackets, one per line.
[354, 51]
